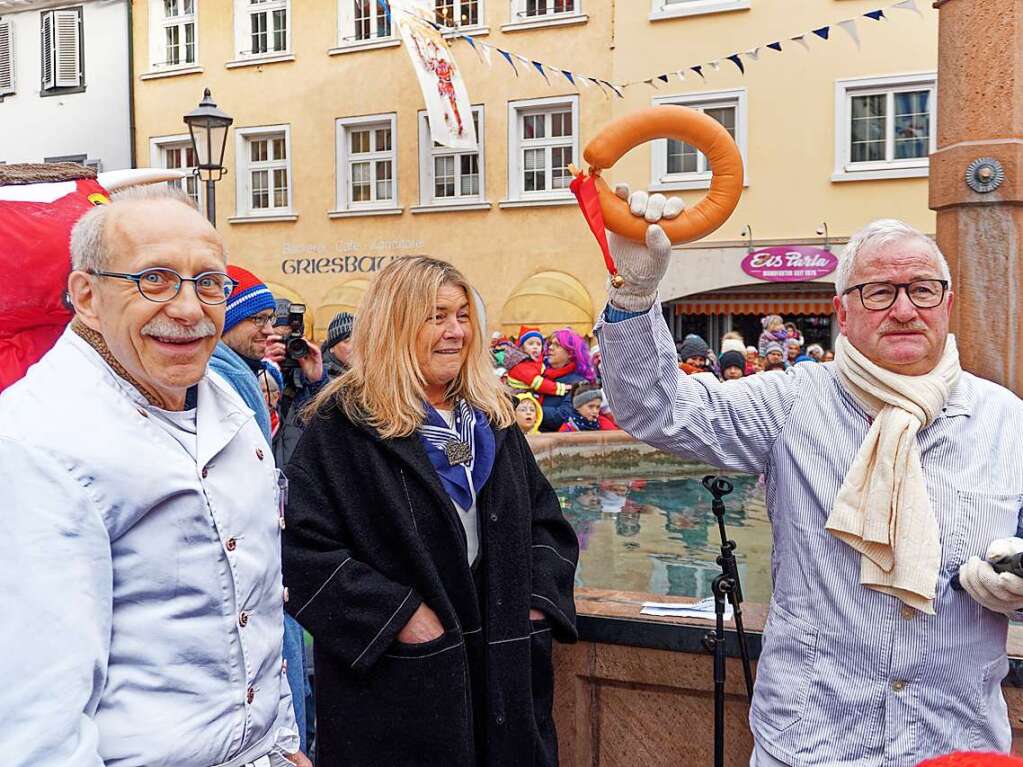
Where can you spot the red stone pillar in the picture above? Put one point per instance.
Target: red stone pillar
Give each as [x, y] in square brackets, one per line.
[980, 115]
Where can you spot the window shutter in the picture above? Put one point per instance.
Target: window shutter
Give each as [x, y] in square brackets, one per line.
[6, 58]
[48, 81]
[68, 59]
[242, 40]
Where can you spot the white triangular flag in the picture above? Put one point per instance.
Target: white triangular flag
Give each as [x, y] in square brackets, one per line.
[754, 54]
[715, 65]
[909, 5]
[849, 25]
[681, 74]
[800, 39]
[487, 52]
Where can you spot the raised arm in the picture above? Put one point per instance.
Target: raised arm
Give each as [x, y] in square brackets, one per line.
[57, 585]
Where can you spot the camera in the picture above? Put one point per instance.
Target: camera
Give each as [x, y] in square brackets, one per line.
[295, 345]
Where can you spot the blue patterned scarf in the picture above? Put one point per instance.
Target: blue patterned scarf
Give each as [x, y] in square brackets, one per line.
[472, 428]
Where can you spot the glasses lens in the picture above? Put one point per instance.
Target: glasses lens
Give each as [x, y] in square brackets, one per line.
[212, 287]
[878, 295]
[159, 284]
[259, 320]
[926, 294]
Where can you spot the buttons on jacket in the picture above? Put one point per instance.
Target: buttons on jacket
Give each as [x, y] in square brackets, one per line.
[499, 718]
[230, 544]
[493, 517]
[243, 619]
[907, 612]
[259, 454]
[898, 685]
[250, 695]
[205, 471]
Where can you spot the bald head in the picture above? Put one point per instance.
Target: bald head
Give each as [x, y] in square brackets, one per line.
[146, 211]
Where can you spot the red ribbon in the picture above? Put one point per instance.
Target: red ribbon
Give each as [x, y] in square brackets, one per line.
[585, 190]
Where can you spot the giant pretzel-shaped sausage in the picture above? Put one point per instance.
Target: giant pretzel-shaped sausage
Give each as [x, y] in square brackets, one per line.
[692, 127]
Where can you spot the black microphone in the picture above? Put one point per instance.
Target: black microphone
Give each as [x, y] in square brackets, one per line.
[1013, 564]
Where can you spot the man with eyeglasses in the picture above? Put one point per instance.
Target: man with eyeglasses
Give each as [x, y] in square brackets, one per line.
[140, 526]
[888, 472]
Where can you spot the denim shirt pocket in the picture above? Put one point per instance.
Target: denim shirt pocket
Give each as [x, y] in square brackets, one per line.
[785, 669]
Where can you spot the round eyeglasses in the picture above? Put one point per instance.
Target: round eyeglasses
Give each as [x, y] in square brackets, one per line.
[161, 285]
[878, 296]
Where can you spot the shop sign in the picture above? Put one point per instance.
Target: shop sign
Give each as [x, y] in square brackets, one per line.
[790, 263]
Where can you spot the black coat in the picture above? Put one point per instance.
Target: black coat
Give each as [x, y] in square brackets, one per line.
[371, 535]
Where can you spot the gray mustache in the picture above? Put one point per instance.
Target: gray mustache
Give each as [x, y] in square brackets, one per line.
[164, 328]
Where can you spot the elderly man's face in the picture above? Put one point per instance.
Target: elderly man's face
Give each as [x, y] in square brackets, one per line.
[164, 346]
[903, 338]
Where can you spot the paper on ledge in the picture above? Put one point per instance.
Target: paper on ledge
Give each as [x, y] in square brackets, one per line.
[703, 609]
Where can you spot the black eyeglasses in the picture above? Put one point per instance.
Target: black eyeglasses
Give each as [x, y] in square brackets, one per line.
[878, 296]
[161, 285]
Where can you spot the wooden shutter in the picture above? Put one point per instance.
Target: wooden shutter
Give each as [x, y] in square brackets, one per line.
[6, 57]
[68, 58]
[47, 33]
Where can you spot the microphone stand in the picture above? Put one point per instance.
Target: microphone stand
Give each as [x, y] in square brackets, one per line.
[726, 587]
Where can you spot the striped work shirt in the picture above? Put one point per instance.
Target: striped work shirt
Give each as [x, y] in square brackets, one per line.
[847, 676]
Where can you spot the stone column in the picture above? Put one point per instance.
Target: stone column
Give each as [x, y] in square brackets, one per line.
[980, 114]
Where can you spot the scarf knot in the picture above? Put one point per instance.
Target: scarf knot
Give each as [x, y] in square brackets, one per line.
[882, 509]
[472, 429]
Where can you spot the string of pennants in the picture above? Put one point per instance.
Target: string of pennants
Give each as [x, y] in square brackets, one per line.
[740, 59]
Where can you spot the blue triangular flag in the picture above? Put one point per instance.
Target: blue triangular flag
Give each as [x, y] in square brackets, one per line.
[568, 76]
[699, 70]
[822, 32]
[734, 58]
[539, 68]
[775, 47]
[875, 15]
[468, 39]
[508, 58]
[662, 78]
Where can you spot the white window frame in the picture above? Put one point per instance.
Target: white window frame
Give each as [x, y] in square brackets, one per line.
[346, 31]
[244, 10]
[428, 153]
[158, 26]
[676, 9]
[516, 110]
[660, 179]
[7, 63]
[480, 27]
[62, 57]
[345, 205]
[519, 20]
[158, 148]
[243, 175]
[862, 86]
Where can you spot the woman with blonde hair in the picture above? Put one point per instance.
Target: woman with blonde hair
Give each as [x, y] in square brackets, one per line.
[424, 550]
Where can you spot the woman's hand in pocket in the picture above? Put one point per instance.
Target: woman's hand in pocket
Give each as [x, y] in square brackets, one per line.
[424, 626]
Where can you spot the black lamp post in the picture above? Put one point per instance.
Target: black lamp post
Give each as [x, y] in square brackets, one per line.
[207, 127]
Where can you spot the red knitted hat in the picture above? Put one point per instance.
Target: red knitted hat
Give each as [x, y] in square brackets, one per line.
[973, 759]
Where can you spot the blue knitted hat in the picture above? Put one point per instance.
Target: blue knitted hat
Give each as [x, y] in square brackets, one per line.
[249, 297]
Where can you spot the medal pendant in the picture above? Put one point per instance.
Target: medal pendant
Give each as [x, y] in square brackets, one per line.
[458, 453]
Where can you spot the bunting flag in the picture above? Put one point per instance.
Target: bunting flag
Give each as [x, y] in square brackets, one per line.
[909, 5]
[447, 101]
[539, 68]
[580, 80]
[849, 26]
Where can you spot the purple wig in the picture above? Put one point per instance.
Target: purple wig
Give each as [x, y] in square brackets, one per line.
[578, 350]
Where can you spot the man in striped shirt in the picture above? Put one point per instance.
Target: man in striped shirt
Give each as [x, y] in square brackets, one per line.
[870, 657]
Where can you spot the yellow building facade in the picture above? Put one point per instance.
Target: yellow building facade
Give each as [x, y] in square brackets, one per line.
[332, 170]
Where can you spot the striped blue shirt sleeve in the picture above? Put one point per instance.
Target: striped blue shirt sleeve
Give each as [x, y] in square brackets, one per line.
[731, 425]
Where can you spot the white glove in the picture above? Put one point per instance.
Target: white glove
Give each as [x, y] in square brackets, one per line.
[642, 266]
[998, 592]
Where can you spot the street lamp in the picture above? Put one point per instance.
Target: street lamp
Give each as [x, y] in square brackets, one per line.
[207, 127]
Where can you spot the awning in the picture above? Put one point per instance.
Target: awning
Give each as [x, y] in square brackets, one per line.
[549, 301]
[801, 299]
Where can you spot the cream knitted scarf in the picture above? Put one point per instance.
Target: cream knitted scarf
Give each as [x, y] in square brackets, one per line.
[882, 509]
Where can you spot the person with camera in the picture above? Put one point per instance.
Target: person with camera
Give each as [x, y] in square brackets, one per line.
[888, 473]
[238, 358]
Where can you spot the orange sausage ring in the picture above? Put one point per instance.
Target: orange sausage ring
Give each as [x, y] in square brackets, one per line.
[692, 127]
